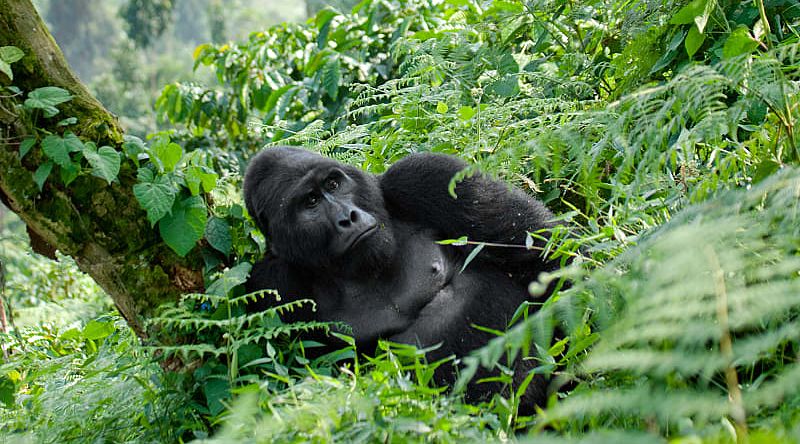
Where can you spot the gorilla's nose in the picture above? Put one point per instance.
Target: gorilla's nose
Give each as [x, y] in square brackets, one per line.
[347, 220]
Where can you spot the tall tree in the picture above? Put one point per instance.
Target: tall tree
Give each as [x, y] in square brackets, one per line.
[99, 224]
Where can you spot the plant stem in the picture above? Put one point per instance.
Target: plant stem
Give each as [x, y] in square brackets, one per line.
[726, 347]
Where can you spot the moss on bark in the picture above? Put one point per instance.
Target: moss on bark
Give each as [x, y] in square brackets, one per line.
[102, 226]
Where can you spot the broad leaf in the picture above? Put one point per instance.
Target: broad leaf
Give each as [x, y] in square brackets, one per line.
[185, 225]
[134, 148]
[46, 99]
[197, 176]
[95, 329]
[331, 75]
[230, 279]
[70, 172]
[166, 152]
[218, 234]
[155, 196]
[41, 173]
[506, 86]
[58, 148]
[688, 13]
[105, 162]
[694, 40]
[738, 43]
[465, 113]
[507, 65]
[26, 146]
[9, 55]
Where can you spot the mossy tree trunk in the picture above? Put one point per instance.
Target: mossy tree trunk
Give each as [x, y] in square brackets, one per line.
[102, 226]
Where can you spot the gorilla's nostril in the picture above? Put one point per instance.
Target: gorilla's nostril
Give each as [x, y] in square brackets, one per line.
[354, 216]
[344, 223]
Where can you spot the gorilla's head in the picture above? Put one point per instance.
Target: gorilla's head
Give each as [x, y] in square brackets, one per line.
[314, 211]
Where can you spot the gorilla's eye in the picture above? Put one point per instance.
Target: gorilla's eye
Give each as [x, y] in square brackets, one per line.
[312, 200]
[331, 184]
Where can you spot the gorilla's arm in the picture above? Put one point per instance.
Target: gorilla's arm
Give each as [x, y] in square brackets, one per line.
[486, 210]
[275, 274]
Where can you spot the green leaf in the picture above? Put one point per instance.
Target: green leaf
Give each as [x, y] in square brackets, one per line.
[168, 153]
[472, 255]
[197, 176]
[507, 86]
[687, 14]
[185, 226]
[8, 390]
[230, 279]
[694, 40]
[46, 99]
[209, 180]
[68, 121]
[95, 329]
[218, 234]
[5, 68]
[507, 65]
[216, 390]
[671, 52]
[275, 96]
[9, 55]
[193, 183]
[105, 162]
[465, 113]
[26, 146]
[558, 348]
[461, 241]
[155, 196]
[739, 42]
[764, 170]
[323, 23]
[58, 148]
[70, 172]
[331, 75]
[41, 173]
[133, 147]
[441, 108]
[324, 16]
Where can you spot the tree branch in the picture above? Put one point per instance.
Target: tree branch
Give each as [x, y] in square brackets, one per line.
[102, 226]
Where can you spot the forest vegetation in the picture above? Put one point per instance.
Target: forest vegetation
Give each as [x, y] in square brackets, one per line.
[664, 135]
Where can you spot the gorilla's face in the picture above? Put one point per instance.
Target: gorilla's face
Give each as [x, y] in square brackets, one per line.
[315, 211]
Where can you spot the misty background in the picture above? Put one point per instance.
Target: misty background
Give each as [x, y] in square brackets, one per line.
[125, 51]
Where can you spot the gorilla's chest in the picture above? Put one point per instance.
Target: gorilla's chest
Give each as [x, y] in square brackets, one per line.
[390, 303]
[424, 298]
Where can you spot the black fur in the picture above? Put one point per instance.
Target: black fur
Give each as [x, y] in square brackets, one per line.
[364, 249]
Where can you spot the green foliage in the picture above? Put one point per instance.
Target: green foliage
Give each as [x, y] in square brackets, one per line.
[46, 99]
[9, 55]
[39, 290]
[375, 403]
[146, 19]
[663, 134]
[698, 323]
[248, 344]
[58, 380]
[169, 187]
[184, 225]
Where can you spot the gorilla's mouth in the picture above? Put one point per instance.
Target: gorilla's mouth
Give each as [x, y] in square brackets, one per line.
[361, 236]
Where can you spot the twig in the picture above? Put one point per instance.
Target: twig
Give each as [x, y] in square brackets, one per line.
[726, 347]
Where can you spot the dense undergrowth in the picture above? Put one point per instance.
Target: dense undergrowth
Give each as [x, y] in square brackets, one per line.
[665, 135]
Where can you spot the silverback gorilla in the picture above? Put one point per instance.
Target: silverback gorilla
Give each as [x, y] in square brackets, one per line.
[363, 248]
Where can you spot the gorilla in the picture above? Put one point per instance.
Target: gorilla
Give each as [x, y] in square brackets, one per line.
[364, 248]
